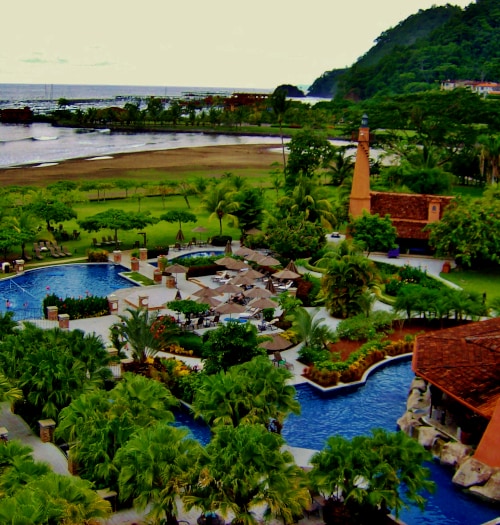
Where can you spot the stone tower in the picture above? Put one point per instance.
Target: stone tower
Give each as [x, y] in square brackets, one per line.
[360, 191]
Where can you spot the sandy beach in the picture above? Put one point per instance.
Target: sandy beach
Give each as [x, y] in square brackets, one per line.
[214, 160]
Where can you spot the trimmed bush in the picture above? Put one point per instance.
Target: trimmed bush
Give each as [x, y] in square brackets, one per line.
[221, 240]
[80, 308]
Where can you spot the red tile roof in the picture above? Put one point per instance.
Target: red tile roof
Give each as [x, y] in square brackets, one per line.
[464, 362]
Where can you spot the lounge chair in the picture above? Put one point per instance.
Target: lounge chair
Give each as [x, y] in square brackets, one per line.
[105, 241]
[96, 243]
[251, 313]
[59, 251]
[65, 251]
[215, 321]
[38, 254]
[54, 253]
[284, 287]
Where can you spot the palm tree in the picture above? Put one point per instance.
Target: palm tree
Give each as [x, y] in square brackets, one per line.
[218, 202]
[152, 466]
[8, 392]
[490, 155]
[244, 467]
[342, 166]
[280, 105]
[368, 473]
[253, 392]
[136, 328]
[311, 331]
[25, 224]
[308, 198]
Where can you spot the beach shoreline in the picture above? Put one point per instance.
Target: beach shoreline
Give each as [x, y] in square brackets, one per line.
[214, 160]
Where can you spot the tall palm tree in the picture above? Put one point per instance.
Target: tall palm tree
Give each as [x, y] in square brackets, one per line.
[490, 156]
[152, 468]
[219, 203]
[243, 468]
[311, 330]
[280, 105]
[342, 165]
[136, 328]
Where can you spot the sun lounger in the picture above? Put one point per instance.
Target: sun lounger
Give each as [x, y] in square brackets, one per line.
[65, 251]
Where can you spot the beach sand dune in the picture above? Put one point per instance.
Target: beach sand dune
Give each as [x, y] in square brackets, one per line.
[214, 160]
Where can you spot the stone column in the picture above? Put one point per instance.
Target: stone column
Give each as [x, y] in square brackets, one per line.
[52, 313]
[143, 254]
[117, 256]
[47, 427]
[134, 264]
[64, 321]
[157, 276]
[19, 266]
[113, 303]
[143, 301]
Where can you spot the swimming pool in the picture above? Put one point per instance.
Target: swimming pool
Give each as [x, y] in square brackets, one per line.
[25, 292]
[206, 253]
[379, 403]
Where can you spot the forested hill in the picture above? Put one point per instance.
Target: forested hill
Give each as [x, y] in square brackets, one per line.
[433, 45]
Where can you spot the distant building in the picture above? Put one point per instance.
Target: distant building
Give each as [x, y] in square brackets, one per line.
[16, 116]
[245, 99]
[479, 87]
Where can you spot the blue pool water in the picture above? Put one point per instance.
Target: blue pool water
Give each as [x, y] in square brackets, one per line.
[377, 404]
[26, 292]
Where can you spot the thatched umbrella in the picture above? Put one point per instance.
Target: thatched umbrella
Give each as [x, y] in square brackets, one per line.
[253, 256]
[292, 267]
[228, 250]
[243, 251]
[242, 279]
[262, 302]
[224, 261]
[228, 288]
[254, 274]
[200, 229]
[236, 265]
[206, 292]
[230, 308]
[286, 274]
[276, 344]
[267, 260]
[270, 286]
[175, 269]
[211, 301]
[257, 292]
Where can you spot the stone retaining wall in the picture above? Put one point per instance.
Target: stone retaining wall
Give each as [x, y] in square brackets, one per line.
[470, 474]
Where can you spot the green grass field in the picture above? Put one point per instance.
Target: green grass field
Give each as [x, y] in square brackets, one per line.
[474, 281]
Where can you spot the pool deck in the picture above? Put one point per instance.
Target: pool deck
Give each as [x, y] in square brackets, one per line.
[157, 296]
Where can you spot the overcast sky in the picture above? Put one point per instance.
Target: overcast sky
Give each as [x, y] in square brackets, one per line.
[218, 43]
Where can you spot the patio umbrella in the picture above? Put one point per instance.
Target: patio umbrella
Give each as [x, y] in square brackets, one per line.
[230, 308]
[236, 265]
[211, 301]
[257, 292]
[253, 256]
[243, 251]
[262, 302]
[276, 344]
[270, 286]
[205, 292]
[179, 236]
[292, 267]
[254, 274]
[286, 274]
[228, 288]
[224, 261]
[267, 260]
[176, 268]
[200, 229]
[228, 250]
[242, 279]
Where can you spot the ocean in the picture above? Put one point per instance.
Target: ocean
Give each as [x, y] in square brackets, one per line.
[40, 144]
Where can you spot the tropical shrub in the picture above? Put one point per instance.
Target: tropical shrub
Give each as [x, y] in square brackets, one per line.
[360, 327]
[80, 308]
[97, 256]
[221, 240]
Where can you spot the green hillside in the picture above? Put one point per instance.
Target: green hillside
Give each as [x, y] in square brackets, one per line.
[433, 45]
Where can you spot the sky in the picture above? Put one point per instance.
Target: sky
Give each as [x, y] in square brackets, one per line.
[218, 43]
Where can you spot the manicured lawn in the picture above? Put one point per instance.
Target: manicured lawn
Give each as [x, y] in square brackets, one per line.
[481, 282]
